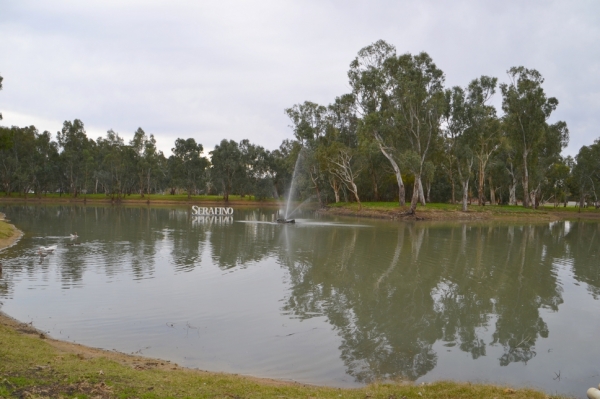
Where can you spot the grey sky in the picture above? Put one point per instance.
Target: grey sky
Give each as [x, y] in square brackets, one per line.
[223, 69]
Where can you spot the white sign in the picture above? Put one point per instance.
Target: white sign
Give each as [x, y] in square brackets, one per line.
[199, 210]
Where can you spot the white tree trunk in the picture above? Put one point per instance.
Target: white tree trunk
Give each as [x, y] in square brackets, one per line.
[465, 196]
[401, 190]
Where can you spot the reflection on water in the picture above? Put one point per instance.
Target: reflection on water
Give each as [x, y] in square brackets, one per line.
[325, 301]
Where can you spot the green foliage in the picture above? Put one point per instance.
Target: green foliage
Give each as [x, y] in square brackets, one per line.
[527, 109]
[399, 134]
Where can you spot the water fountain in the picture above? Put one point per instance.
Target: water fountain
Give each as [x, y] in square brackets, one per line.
[287, 214]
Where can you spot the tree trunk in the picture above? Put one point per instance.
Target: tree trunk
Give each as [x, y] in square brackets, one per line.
[401, 190]
[375, 188]
[415, 196]
[492, 193]
[525, 181]
[465, 195]
[316, 186]
[481, 181]
[421, 193]
[428, 196]
[453, 191]
[355, 192]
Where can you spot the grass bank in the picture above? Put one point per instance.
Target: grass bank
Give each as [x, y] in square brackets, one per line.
[138, 199]
[436, 211]
[9, 234]
[34, 366]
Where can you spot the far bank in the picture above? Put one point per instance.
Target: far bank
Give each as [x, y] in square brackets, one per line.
[449, 212]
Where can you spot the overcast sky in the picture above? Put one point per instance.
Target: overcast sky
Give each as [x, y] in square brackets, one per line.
[227, 69]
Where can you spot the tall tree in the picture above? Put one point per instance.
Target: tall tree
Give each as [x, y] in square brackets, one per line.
[586, 173]
[190, 164]
[73, 141]
[526, 108]
[486, 133]
[370, 85]
[146, 159]
[457, 129]
[417, 96]
[226, 161]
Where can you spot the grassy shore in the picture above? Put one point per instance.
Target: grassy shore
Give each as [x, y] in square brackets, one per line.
[382, 210]
[137, 198]
[35, 366]
[436, 211]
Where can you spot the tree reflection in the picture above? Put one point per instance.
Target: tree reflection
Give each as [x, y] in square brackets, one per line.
[583, 247]
[392, 294]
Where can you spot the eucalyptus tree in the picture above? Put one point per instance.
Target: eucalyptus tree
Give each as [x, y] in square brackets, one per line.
[417, 95]
[486, 134]
[548, 158]
[371, 89]
[527, 108]
[458, 141]
[339, 148]
[73, 142]
[586, 173]
[146, 159]
[282, 164]
[15, 150]
[375, 167]
[28, 159]
[226, 159]
[190, 164]
[309, 124]
[255, 176]
[46, 162]
[114, 163]
[555, 185]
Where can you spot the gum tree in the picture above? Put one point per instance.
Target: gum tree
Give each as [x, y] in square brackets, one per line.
[486, 134]
[526, 108]
[370, 84]
[417, 98]
[189, 164]
[226, 161]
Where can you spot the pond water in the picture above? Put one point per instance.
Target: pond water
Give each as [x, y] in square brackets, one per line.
[339, 302]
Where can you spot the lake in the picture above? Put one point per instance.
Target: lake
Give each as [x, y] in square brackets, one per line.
[331, 301]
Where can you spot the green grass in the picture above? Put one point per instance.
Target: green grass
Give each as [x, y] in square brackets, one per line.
[31, 367]
[496, 209]
[6, 230]
[138, 197]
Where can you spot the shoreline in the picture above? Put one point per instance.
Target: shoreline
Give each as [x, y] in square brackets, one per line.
[102, 373]
[382, 211]
[439, 215]
[14, 238]
[138, 201]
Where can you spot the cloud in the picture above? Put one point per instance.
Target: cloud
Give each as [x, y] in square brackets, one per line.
[214, 70]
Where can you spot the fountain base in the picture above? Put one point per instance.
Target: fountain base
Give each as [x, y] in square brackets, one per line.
[286, 220]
